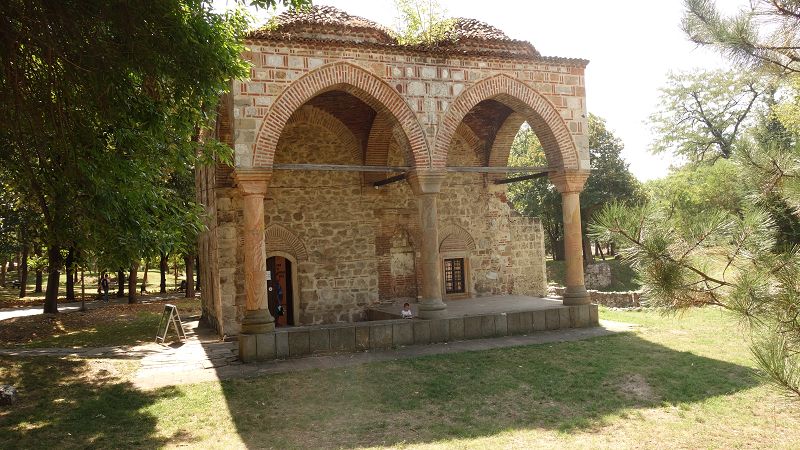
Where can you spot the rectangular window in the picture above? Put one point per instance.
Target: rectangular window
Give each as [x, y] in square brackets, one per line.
[454, 276]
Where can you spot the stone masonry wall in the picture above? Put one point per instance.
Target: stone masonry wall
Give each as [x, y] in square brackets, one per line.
[361, 241]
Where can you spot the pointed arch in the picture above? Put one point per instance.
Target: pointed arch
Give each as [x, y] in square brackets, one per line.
[541, 115]
[501, 147]
[349, 78]
[279, 239]
[471, 140]
[312, 115]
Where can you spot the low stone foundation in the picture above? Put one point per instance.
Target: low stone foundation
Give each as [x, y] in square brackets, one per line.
[384, 334]
[630, 299]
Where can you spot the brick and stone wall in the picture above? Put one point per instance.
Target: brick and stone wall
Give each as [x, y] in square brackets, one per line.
[361, 241]
[550, 91]
[354, 96]
[629, 299]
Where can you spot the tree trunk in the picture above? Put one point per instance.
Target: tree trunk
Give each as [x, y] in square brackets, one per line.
[144, 276]
[175, 278]
[120, 284]
[163, 267]
[197, 266]
[612, 250]
[587, 250]
[23, 273]
[53, 275]
[189, 260]
[70, 274]
[599, 249]
[83, 292]
[132, 283]
[558, 249]
[38, 287]
[2, 273]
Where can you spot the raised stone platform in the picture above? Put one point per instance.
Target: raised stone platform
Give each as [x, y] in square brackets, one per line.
[465, 319]
[474, 306]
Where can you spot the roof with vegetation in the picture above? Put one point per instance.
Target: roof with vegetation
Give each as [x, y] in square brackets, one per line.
[322, 24]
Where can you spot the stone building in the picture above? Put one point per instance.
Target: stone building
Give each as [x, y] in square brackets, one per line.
[367, 171]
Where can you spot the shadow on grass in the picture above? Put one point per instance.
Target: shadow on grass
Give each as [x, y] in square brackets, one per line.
[66, 401]
[570, 386]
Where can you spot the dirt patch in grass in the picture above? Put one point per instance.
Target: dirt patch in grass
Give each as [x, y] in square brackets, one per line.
[107, 325]
[636, 387]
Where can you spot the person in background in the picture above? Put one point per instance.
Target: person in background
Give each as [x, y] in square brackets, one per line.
[104, 285]
[406, 312]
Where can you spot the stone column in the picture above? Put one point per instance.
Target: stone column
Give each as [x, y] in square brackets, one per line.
[570, 184]
[426, 185]
[257, 322]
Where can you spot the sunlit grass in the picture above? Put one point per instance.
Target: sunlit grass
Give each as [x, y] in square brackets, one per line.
[105, 326]
[676, 382]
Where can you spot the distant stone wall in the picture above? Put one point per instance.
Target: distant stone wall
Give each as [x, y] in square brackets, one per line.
[597, 275]
[630, 299]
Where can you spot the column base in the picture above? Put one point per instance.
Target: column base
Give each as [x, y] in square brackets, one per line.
[257, 347]
[257, 321]
[431, 309]
[576, 295]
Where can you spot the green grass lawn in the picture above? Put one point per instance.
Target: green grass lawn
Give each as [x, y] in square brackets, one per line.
[676, 382]
[106, 325]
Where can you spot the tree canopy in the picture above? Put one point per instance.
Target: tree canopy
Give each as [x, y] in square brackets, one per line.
[764, 36]
[703, 114]
[106, 101]
[610, 178]
[736, 244]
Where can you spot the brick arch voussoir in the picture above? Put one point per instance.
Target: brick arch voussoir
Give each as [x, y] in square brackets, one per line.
[278, 238]
[352, 79]
[540, 114]
[458, 234]
[312, 115]
[503, 140]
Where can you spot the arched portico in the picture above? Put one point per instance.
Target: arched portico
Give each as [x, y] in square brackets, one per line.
[342, 137]
[353, 80]
[567, 170]
[541, 115]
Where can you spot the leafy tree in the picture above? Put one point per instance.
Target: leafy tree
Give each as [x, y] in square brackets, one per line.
[690, 190]
[422, 22]
[744, 261]
[765, 36]
[537, 197]
[704, 113]
[609, 179]
[101, 97]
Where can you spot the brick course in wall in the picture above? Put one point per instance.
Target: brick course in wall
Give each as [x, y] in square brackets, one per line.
[359, 98]
[426, 96]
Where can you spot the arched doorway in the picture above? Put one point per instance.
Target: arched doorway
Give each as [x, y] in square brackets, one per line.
[280, 290]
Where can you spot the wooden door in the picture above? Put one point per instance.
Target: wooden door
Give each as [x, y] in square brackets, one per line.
[279, 290]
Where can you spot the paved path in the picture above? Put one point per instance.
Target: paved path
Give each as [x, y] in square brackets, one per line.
[8, 313]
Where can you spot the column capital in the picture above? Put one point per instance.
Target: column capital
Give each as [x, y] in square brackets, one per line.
[569, 181]
[252, 181]
[426, 181]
